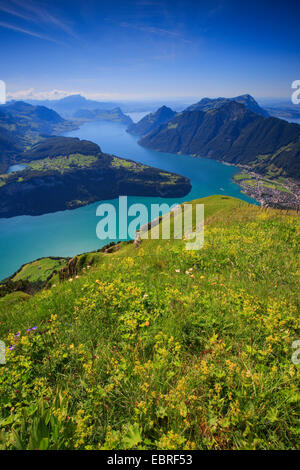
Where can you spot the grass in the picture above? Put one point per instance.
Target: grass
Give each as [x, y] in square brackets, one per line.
[241, 176]
[250, 182]
[39, 270]
[13, 298]
[277, 183]
[119, 162]
[157, 347]
[62, 163]
[172, 125]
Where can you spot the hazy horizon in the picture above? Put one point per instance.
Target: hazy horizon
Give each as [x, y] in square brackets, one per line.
[148, 49]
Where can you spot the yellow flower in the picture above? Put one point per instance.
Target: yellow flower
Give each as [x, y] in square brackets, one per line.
[71, 346]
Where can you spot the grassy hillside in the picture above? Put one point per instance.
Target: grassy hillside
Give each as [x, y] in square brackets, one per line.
[39, 270]
[157, 347]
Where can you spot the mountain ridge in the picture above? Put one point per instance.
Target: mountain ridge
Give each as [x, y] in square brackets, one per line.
[22, 125]
[70, 104]
[247, 100]
[233, 134]
[151, 121]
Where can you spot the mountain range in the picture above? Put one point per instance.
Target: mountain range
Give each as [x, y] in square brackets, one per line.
[70, 104]
[226, 130]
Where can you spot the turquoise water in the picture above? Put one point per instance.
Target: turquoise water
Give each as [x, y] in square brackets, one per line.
[66, 233]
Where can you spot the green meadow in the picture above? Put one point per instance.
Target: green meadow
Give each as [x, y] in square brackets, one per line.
[158, 347]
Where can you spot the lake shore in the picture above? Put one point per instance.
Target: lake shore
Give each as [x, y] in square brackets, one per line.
[69, 232]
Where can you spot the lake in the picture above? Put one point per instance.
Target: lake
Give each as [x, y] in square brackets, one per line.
[70, 232]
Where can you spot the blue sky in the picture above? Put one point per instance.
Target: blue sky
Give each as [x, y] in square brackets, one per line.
[154, 49]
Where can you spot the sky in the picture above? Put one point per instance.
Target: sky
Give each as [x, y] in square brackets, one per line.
[149, 49]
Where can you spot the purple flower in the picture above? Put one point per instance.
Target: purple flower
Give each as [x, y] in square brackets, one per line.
[17, 334]
[34, 328]
[29, 329]
[11, 347]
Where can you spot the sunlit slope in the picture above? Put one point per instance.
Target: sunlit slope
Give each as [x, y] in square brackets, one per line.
[157, 347]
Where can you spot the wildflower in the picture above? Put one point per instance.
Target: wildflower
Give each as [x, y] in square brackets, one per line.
[71, 346]
[18, 334]
[11, 347]
[177, 270]
[145, 296]
[34, 328]
[147, 323]
[70, 280]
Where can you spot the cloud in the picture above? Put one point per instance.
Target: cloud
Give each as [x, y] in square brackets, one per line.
[55, 94]
[29, 32]
[14, 12]
[156, 31]
[167, 56]
[31, 12]
[150, 29]
[31, 94]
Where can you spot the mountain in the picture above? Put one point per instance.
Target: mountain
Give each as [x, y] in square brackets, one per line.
[151, 121]
[114, 115]
[64, 173]
[233, 134]
[22, 124]
[70, 104]
[247, 100]
[8, 147]
[21, 110]
[57, 146]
